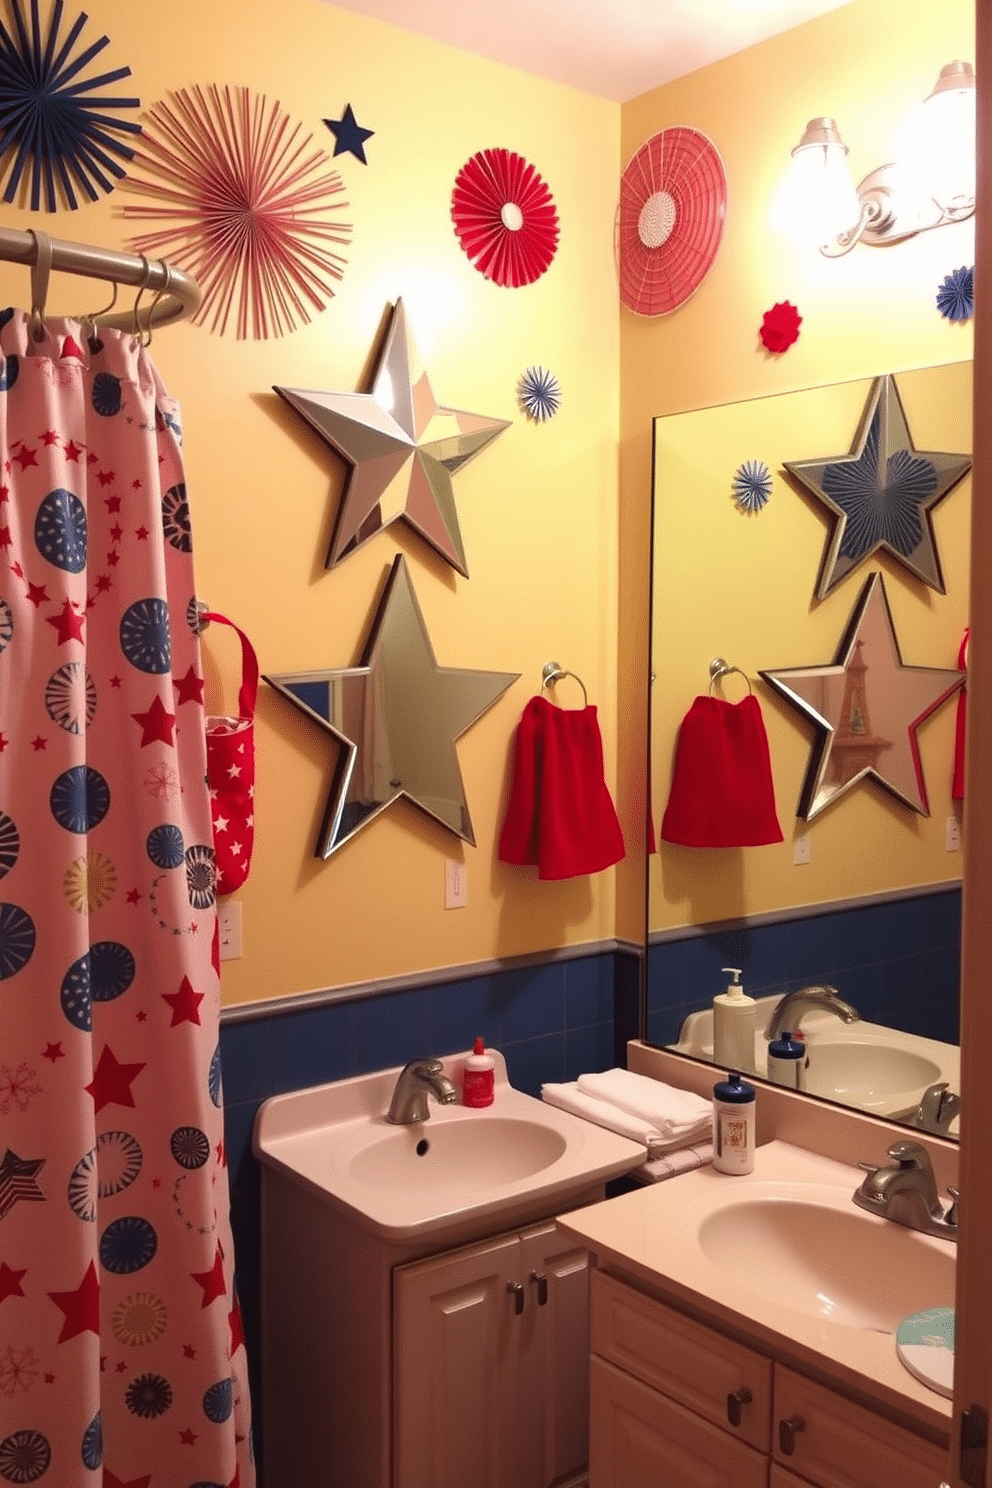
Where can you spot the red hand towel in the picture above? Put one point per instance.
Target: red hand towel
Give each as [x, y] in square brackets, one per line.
[722, 793]
[560, 814]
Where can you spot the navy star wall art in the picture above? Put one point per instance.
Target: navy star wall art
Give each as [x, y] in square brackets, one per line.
[395, 717]
[403, 448]
[865, 708]
[349, 136]
[882, 496]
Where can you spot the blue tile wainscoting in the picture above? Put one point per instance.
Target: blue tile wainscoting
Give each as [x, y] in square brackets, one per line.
[896, 959]
[552, 1019]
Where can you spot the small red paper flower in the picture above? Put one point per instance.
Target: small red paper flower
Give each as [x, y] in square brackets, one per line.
[780, 327]
[505, 217]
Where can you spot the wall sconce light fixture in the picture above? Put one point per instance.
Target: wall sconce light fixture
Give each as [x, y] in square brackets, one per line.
[931, 181]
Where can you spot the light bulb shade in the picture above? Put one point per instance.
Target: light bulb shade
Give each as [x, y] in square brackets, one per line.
[816, 201]
[936, 145]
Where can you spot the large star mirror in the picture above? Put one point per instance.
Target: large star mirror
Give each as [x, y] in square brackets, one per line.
[859, 697]
[394, 719]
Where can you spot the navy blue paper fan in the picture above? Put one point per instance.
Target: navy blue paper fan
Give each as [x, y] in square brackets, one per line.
[956, 294]
[57, 131]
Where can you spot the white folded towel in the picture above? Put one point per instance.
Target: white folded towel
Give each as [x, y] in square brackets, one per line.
[569, 1097]
[655, 1170]
[673, 1113]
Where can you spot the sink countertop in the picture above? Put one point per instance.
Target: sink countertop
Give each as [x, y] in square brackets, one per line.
[648, 1236]
[322, 1136]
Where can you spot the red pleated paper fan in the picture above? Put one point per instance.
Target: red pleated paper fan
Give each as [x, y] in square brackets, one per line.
[505, 217]
[673, 204]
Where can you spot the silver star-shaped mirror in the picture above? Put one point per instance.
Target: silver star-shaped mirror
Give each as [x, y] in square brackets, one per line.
[882, 495]
[403, 448]
[865, 707]
[397, 716]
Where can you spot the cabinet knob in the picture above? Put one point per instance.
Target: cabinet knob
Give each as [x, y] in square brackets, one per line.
[787, 1433]
[735, 1403]
[517, 1293]
[541, 1282]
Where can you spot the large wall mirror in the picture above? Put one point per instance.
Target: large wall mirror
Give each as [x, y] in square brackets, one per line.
[862, 894]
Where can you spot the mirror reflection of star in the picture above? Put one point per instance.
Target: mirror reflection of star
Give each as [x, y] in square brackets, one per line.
[881, 496]
[865, 707]
[397, 716]
[403, 448]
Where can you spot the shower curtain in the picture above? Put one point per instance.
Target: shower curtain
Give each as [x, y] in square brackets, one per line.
[122, 1360]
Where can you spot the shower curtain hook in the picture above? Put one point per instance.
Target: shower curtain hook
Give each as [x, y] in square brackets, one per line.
[136, 332]
[41, 269]
[163, 289]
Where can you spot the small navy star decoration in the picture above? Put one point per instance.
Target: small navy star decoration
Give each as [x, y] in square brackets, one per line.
[349, 136]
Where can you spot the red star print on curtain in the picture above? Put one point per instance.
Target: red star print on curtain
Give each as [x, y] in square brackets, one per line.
[121, 1348]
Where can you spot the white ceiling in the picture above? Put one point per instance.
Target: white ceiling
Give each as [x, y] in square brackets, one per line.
[612, 48]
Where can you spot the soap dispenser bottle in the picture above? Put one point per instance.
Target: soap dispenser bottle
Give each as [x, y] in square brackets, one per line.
[733, 1025]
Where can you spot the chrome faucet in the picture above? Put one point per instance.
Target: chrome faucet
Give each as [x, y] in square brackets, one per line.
[790, 1010]
[409, 1102]
[937, 1109]
[906, 1192]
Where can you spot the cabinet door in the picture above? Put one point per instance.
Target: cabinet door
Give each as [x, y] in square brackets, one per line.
[837, 1444]
[554, 1368]
[455, 1334]
[640, 1439]
[719, 1379]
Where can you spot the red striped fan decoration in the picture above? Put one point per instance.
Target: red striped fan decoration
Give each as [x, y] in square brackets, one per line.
[246, 203]
[673, 203]
[505, 217]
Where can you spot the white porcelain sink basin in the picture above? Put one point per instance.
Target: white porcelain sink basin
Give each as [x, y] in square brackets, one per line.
[513, 1160]
[866, 1071]
[457, 1157]
[811, 1249]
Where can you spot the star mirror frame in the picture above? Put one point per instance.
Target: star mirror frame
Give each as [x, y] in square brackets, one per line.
[395, 717]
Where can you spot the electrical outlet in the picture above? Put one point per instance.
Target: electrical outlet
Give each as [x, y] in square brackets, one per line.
[800, 850]
[455, 884]
[952, 834]
[229, 920]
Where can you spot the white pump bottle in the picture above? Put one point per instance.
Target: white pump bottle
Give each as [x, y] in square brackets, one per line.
[733, 1025]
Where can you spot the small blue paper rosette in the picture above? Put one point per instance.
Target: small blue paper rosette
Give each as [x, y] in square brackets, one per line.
[539, 394]
[956, 294]
[751, 485]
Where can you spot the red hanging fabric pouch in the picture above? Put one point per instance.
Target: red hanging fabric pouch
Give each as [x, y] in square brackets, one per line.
[231, 772]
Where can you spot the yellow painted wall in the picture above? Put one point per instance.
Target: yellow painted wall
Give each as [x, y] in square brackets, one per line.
[866, 65]
[537, 510]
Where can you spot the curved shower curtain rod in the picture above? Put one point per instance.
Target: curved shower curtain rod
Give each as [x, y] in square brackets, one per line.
[177, 296]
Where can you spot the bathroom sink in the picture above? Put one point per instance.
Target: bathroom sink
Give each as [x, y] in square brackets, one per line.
[458, 1156]
[460, 1168]
[868, 1072]
[811, 1249]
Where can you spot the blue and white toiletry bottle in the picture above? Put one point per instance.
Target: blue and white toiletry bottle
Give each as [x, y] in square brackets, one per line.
[733, 1025]
[733, 1125]
[787, 1061]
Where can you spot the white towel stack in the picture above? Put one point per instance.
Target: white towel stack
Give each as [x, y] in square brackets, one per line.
[663, 1118]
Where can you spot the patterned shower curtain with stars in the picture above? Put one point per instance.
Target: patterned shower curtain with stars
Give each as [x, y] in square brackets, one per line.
[122, 1360]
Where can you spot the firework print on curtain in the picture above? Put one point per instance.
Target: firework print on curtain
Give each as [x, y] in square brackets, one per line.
[122, 1359]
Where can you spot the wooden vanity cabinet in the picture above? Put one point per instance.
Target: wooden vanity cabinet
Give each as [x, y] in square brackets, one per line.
[490, 1364]
[674, 1401]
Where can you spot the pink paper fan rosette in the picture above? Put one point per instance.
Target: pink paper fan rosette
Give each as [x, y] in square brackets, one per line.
[244, 201]
[505, 217]
[673, 204]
